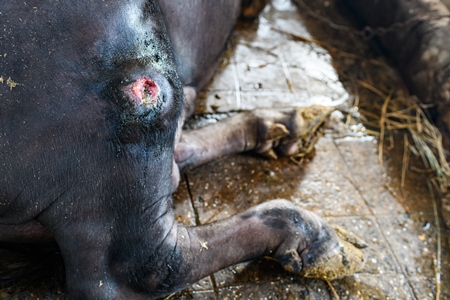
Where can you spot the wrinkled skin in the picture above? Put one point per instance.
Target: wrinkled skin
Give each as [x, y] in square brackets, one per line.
[91, 105]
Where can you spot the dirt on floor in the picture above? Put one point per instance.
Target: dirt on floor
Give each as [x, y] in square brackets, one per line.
[298, 58]
[292, 57]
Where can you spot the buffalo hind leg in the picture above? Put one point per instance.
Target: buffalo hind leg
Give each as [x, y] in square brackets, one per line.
[268, 132]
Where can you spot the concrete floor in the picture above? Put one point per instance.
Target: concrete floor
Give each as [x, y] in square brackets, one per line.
[343, 182]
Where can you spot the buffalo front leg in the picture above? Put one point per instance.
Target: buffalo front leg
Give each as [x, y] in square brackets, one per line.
[135, 265]
[298, 239]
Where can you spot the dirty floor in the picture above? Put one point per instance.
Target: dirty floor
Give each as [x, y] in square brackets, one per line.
[345, 183]
[293, 57]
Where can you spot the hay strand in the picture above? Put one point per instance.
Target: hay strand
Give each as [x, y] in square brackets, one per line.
[394, 112]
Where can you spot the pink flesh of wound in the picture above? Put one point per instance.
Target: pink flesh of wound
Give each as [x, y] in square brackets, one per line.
[146, 90]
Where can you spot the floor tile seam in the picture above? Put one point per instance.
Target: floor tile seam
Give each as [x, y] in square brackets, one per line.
[351, 179]
[252, 284]
[258, 64]
[237, 85]
[198, 223]
[287, 72]
[191, 200]
[377, 221]
[397, 260]
[243, 285]
[252, 92]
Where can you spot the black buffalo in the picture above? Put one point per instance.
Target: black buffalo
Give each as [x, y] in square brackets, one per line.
[92, 96]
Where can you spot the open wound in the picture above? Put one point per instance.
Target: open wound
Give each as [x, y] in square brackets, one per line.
[146, 91]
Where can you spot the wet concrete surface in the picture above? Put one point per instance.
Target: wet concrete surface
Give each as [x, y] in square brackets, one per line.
[344, 182]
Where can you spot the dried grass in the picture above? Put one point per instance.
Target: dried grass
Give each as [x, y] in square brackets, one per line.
[406, 114]
[393, 113]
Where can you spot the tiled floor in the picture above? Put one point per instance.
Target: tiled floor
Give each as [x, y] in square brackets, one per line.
[344, 182]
